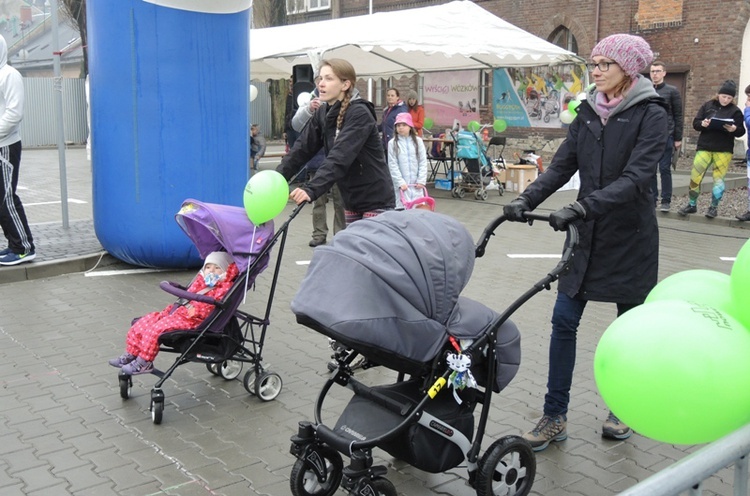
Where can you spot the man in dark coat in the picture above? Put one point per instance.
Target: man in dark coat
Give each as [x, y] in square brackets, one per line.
[671, 96]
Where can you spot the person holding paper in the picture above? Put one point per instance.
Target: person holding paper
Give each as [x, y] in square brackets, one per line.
[719, 122]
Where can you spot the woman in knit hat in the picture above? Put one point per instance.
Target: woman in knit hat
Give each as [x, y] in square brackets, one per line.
[416, 111]
[719, 122]
[142, 342]
[615, 143]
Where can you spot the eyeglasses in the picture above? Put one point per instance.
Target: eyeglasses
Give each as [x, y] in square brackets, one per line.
[602, 66]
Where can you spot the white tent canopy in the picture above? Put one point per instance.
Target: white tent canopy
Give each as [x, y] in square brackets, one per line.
[454, 36]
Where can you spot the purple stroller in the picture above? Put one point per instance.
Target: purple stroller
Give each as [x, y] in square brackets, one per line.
[228, 337]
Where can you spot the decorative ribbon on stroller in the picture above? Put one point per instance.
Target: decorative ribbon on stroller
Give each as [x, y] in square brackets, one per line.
[461, 376]
[249, 264]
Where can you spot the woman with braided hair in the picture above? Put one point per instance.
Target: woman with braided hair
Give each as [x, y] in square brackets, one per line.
[346, 129]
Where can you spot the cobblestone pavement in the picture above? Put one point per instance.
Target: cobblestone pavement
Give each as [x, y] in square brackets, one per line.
[65, 429]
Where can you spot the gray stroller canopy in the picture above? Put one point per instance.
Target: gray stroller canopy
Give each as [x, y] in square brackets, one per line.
[391, 281]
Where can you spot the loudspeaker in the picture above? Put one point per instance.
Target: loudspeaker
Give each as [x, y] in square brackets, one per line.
[303, 80]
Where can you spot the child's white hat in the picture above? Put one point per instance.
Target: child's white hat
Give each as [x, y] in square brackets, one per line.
[220, 258]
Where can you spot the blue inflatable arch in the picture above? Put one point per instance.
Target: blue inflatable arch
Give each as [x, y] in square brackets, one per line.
[169, 119]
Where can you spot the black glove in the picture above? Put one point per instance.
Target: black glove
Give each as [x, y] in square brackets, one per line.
[560, 219]
[514, 210]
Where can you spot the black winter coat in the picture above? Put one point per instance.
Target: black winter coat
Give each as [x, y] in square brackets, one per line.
[617, 257]
[354, 160]
[718, 140]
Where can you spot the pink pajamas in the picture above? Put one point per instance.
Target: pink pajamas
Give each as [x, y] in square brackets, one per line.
[143, 337]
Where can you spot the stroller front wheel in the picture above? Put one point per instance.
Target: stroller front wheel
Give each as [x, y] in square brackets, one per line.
[318, 463]
[507, 467]
[126, 383]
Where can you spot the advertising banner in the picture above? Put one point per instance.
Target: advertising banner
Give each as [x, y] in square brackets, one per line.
[535, 97]
[451, 96]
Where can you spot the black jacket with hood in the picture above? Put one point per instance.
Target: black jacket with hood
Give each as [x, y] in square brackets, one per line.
[718, 140]
[617, 257]
[354, 158]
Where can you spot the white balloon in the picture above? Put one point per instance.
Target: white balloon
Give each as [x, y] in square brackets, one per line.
[253, 92]
[303, 98]
[566, 116]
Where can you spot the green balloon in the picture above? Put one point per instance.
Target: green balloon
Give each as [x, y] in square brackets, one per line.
[266, 195]
[707, 287]
[428, 123]
[740, 285]
[499, 125]
[473, 126]
[676, 371]
[573, 106]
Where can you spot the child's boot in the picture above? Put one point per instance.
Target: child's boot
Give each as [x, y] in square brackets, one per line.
[138, 366]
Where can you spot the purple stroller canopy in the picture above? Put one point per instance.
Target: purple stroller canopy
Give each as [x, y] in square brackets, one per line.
[214, 227]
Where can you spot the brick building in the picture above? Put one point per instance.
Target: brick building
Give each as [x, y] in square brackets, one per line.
[700, 41]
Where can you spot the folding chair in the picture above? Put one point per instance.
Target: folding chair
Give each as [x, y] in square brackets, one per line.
[439, 156]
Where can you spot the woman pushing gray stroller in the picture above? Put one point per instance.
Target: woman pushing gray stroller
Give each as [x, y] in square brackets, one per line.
[388, 289]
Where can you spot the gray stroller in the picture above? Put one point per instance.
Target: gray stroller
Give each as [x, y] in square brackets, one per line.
[388, 289]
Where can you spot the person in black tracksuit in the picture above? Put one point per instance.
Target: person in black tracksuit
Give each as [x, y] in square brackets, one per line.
[346, 128]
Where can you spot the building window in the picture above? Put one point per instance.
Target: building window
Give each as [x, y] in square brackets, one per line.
[302, 6]
[485, 87]
[319, 4]
[563, 38]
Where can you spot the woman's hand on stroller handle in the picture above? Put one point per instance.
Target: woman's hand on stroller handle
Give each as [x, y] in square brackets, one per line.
[529, 217]
[299, 196]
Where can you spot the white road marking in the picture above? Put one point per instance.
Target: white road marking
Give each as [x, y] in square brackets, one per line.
[122, 272]
[70, 200]
[533, 255]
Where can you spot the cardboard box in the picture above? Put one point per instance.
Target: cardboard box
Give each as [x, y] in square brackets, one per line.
[520, 176]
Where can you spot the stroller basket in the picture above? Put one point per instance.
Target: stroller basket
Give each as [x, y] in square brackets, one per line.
[367, 418]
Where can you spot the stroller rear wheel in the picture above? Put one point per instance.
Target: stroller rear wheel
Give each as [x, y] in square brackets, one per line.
[248, 382]
[307, 472]
[213, 368]
[229, 369]
[268, 386]
[507, 467]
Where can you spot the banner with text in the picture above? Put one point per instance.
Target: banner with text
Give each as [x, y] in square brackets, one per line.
[450, 97]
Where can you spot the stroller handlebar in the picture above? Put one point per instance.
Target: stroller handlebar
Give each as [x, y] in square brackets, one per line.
[176, 290]
[571, 239]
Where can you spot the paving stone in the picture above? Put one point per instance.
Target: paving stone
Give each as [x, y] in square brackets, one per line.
[60, 406]
[38, 478]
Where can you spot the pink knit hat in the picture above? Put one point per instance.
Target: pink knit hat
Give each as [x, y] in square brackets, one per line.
[404, 118]
[632, 53]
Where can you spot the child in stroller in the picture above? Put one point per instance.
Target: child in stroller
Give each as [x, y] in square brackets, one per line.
[226, 337]
[142, 342]
[400, 307]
